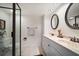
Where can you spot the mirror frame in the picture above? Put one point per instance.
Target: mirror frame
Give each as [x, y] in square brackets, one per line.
[57, 21]
[66, 20]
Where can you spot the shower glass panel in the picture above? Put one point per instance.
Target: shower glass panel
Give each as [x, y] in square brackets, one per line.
[18, 32]
[8, 45]
[5, 29]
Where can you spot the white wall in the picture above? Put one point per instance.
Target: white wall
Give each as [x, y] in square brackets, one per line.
[31, 21]
[33, 42]
[62, 25]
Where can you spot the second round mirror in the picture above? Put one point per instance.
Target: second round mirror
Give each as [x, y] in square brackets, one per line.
[54, 21]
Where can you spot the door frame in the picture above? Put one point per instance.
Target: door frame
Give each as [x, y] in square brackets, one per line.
[20, 26]
[14, 29]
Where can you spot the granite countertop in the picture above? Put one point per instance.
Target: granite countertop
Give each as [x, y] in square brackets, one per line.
[73, 46]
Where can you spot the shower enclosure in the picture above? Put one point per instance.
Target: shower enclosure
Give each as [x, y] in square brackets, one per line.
[10, 29]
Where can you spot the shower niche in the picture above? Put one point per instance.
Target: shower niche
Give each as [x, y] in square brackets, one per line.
[2, 24]
[2, 27]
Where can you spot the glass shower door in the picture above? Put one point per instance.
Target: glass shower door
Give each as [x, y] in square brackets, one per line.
[10, 29]
[5, 29]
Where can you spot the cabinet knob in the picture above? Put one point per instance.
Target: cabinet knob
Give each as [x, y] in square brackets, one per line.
[48, 44]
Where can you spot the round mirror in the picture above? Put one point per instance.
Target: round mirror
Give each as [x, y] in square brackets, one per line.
[54, 21]
[72, 16]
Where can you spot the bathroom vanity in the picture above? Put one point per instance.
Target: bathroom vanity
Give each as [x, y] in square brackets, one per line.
[55, 46]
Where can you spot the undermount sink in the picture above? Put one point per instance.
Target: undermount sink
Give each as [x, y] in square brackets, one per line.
[60, 36]
[52, 34]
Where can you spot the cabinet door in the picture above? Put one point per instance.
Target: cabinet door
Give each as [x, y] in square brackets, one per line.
[52, 51]
[44, 46]
[48, 48]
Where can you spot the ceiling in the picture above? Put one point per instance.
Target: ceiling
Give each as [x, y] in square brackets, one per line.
[39, 8]
[35, 8]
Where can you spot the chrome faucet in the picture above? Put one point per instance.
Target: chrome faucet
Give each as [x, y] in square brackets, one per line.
[59, 34]
[75, 39]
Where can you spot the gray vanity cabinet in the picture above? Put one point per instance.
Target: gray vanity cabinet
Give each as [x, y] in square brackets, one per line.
[49, 50]
[52, 48]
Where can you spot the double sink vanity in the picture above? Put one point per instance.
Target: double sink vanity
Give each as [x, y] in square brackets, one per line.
[55, 46]
[59, 45]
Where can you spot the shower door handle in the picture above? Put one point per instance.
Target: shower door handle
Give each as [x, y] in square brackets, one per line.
[11, 34]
